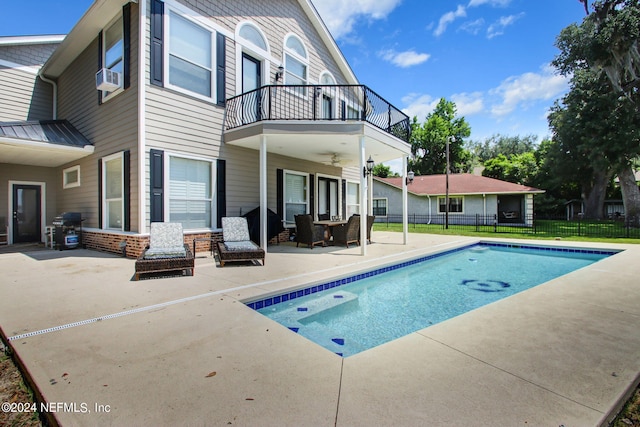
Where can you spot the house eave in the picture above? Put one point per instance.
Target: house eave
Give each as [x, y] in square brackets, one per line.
[36, 153]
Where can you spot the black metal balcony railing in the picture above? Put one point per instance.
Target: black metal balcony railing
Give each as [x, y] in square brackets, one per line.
[316, 102]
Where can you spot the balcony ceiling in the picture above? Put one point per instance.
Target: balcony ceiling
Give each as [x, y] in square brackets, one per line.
[319, 141]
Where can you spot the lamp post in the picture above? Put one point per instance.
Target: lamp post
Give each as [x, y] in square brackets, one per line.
[446, 198]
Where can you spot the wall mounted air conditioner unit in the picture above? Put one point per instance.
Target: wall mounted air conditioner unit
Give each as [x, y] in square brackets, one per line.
[107, 80]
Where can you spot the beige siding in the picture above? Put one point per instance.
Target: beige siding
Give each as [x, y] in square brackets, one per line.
[23, 96]
[184, 125]
[112, 127]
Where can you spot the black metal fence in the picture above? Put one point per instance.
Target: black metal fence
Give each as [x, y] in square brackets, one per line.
[531, 225]
[316, 102]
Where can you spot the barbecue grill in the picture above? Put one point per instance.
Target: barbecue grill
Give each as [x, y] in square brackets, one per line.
[68, 234]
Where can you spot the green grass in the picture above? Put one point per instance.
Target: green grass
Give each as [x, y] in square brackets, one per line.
[563, 230]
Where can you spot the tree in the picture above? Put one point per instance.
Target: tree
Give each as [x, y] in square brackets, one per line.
[382, 171]
[502, 144]
[518, 168]
[605, 46]
[429, 140]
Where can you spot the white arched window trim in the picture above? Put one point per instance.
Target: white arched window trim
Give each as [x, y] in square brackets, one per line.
[291, 57]
[246, 46]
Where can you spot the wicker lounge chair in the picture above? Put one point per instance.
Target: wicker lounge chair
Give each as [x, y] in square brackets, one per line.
[237, 245]
[309, 233]
[166, 251]
[347, 233]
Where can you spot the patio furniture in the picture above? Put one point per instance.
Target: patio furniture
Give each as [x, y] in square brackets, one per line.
[236, 244]
[166, 251]
[309, 233]
[370, 220]
[347, 233]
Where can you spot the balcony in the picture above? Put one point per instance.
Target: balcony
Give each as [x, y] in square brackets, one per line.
[337, 104]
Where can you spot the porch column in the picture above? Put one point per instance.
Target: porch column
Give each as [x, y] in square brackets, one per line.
[364, 187]
[405, 203]
[263, 192]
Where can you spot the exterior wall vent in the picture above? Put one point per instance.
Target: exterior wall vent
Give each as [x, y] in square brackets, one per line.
[108, 80]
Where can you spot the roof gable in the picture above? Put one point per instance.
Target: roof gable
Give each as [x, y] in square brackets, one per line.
[461, 184]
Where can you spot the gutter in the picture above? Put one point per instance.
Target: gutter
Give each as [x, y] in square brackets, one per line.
[55, 93]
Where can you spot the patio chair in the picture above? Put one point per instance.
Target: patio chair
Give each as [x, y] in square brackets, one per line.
[166, 251]
[370, 220]
[347, 233]
[237, 245]
[309, 233]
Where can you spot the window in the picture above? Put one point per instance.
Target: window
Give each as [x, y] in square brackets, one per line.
[455, 205]
[296, 199]
[253, 36]
[353, 198]
[295, 63]
[190, 192]
[113, 52]
[190, 53]
[113, 191]
[380, 207]
[328, 94]
[71, 177]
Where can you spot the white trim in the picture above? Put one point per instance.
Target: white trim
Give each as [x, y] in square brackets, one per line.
[167, 187]
[103, 202]
[87, 149]
[142, 135]
[106, 95]
[195, 16]
[346, 207]
[27, 40]
[245, 46]
[43, 208]
[31, 69]
[284, 192]
[247, 43]
[166, 54]
[450, 197]
[65, 183]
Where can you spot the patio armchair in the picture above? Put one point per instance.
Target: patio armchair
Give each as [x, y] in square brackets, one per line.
[237, 244]
[347, 233]
[370, 220]
[166, 251]
[307, 232]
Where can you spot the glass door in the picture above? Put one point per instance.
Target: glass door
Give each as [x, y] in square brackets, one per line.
[27, 225]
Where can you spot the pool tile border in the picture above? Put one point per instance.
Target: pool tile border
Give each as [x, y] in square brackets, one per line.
[291, 295]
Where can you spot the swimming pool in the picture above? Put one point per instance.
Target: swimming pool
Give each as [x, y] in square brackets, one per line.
[352, 314]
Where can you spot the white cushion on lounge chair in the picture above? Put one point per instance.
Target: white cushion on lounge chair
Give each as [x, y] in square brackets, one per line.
[235, 229]
[158, 253]
[166, 235]
[247, 245]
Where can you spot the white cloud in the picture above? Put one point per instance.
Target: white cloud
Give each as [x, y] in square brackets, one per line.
[403, 59]
[518, 91]
[448, 18]
[494, 3]
[468, 104]
[419, 106]
[340, 16]
[497, 28]
[473, 27]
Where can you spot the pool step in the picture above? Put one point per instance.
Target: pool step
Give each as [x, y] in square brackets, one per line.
[301, 311]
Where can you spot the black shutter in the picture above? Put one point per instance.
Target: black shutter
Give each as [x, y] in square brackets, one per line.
[126, 40]
[221, 191]
[343, 107]
[156, 192]
[280, 193]
[312, 195]
[100, 63]
[220, 68]
[157, 30]
[100, 193]
[126, 183]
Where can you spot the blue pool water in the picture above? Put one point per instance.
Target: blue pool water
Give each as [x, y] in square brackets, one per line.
[356, 313]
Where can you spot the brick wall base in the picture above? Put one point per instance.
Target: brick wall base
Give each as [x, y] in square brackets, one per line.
[132, 245]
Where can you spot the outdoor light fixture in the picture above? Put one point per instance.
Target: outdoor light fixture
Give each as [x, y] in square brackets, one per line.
[368, 170]
[410, 177]
[279, 73]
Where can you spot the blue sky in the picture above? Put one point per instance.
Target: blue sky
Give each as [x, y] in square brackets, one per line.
[491, 57]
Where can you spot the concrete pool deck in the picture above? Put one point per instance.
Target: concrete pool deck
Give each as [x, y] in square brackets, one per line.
[185, 350]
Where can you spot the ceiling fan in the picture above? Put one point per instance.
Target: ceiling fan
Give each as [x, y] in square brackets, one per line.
[334, 160]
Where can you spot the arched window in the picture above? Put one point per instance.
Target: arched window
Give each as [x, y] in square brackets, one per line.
[296, 63]
[251, 34]
[326, 78]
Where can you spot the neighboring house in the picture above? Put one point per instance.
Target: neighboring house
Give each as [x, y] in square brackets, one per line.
[216, 108]
[469, 195]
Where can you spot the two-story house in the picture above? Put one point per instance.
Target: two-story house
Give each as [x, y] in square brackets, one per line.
[185, 111]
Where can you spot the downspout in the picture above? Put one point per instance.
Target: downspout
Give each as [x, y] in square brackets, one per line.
[429, 198]
[55, 94]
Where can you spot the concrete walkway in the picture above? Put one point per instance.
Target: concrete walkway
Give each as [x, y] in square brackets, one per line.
[105, 350]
